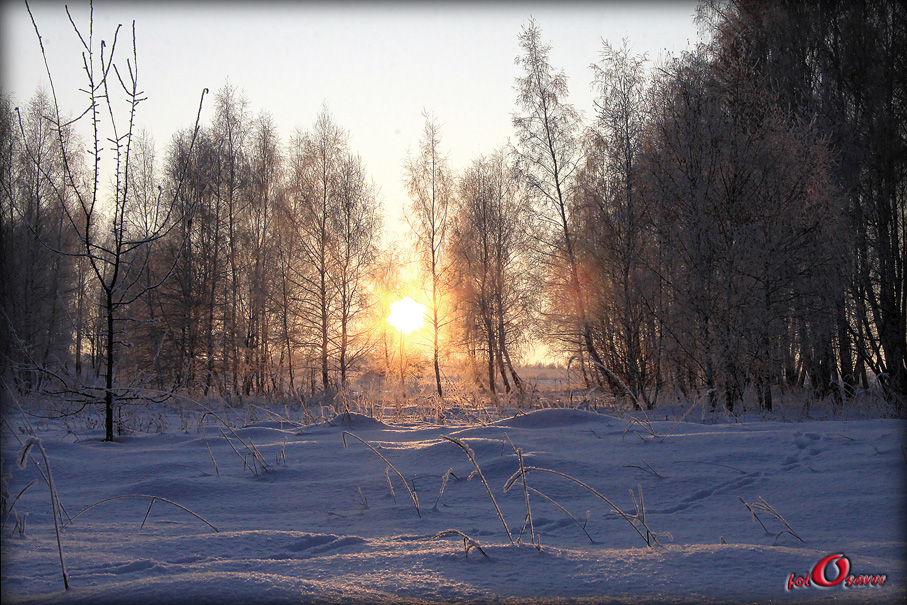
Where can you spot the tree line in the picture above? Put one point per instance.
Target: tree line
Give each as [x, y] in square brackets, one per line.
[729, 221]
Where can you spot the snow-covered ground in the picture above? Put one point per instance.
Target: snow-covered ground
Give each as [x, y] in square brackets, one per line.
[301, 518]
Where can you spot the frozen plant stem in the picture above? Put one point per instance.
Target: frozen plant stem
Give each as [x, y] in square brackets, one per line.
[472, 458]
[12, 505]
[532, 537]
[54, 501]
[640, 517]
[468, 543]
[444, 480]
[647, 469]
[152, 498]
[363, 501]
[31, 429]
[872, 445]
[257, 458]
[390, 485]
[245, 460]
[710, 463]
[582, 526]
[768, 508]
[412, 494]
[628, 518]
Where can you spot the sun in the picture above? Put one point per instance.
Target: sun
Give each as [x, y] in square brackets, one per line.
[406, 315]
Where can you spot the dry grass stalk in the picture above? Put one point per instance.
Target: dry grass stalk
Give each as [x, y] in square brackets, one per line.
[468, 543]
[25, 454]
[535, 540]
[412, 494]
[9, 508]
[152, 498]
[764, 506]
[647, 469]
[633, 520]
[258, 460]
[582, 526]
[444, 480]
[472, 458]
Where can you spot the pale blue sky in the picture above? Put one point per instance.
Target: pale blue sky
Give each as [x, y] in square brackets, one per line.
[375, 65]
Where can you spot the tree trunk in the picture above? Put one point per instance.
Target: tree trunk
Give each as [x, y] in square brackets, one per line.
[108, 378]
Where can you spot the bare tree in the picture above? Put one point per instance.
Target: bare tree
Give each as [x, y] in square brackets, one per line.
[472, 264]
[547, 156]
[190, 302]
[840, 65]
[229, 131]
[35, 308]
[430, 183]
[315, 163]
[111, 257]
[357, 225]
[263, 194]
[146, 338]
[614, 231]
[489, 267]
[746, 224]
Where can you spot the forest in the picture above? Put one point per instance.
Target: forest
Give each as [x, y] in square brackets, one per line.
[730, 224]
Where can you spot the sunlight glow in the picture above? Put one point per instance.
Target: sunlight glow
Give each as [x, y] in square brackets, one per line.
[406, 315]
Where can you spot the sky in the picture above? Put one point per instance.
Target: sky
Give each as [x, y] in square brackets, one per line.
[376, 66]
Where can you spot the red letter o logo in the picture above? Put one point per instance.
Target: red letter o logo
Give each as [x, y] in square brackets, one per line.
[841, 562]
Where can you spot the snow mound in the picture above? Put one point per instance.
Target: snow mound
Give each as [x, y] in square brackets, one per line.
[359, 421]
[543, 419]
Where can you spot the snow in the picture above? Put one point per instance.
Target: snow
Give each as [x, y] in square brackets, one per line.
[313, 520]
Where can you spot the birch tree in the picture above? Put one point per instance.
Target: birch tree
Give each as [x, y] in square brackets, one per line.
[547, 154]
[430, 183]
[615, 231]
[490, 272]
[38, 272]
[356, 225]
